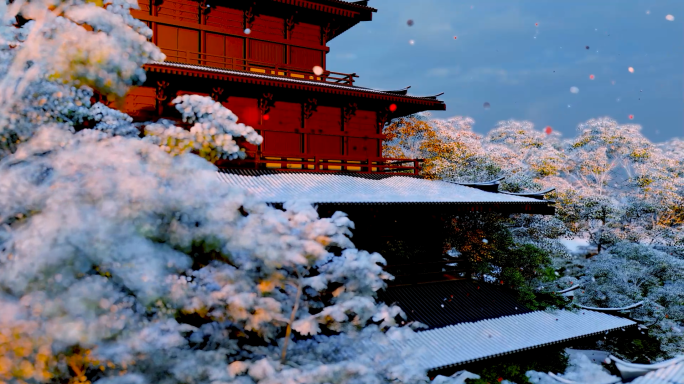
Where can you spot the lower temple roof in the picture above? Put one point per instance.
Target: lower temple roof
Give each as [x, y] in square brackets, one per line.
[471, 321]
[349, 188]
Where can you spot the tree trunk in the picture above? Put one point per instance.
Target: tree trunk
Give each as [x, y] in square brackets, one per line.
[288, 331]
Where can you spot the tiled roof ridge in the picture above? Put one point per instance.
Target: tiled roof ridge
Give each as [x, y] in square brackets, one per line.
[263, 172]
[350, 3]
[444, 354]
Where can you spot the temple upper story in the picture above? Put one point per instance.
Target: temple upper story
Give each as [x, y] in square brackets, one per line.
[276, 37]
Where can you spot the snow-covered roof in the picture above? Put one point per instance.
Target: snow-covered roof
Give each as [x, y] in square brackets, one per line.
[673, 374]
[280, 187]
[288, 79]
[467, 342]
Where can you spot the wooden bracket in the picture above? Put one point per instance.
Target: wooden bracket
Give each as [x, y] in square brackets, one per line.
[289, 26]
[265, 103]
[217, 94]
[161, 95]
[158, 2]
[204, 8]
[308, 108]
[249, 17]
[348, 112]
[327, 32]
[382, 119]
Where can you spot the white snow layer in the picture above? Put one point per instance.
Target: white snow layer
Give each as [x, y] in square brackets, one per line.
[465, 342]
[317, 188]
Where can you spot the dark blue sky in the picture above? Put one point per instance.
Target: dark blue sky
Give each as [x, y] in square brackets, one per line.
[497, 59]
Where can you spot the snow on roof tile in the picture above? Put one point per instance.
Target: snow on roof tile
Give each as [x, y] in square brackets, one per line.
[673, 374]
[286, 79]
[281, 187]
[467, 342]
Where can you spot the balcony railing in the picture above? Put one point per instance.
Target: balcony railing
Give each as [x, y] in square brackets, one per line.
[318, 163]
[237, 64]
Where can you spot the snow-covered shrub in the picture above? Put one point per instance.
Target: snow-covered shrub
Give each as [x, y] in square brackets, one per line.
[630, 273]
[123, 263]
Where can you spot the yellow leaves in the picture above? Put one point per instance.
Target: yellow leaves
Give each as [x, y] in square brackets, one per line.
[338, 291]
[24, 370]
[96, 2]
[266, 286]
[323, 240]
[5, 365]
[275, 280]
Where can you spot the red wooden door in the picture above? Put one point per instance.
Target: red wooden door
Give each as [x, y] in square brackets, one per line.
[363, 148]
[305, 58]
[267, 52]
[324, 132]
[282, 143]
[178, 43]
[222, 50]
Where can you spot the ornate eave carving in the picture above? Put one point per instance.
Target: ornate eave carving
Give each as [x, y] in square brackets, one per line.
[308, 108]
[265, 103]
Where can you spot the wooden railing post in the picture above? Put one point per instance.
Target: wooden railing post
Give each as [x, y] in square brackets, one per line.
[415, 167]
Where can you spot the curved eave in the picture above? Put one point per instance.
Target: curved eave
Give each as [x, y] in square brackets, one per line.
[334, 7]
[287, 83]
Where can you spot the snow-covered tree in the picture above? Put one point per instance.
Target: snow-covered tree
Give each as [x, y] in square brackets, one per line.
[629, 273]
[125, 260]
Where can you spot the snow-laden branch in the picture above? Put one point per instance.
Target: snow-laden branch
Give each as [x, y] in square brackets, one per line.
[635, 305]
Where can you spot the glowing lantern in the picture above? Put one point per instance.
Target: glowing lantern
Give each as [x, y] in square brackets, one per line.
[548, 130]
[317, 70]
[591, 77]
[392, 107]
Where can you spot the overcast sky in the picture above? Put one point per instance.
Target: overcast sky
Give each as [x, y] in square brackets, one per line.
[525, 71]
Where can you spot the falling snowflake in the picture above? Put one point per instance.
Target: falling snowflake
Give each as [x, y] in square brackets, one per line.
[548, 130]
[486, 105]
[591, 77]
[409, 22]
[392, 107]
[630, 69]
[669, 18]
[411, 42]
[574, 90]
[317, 70]
[247, 31]
[587, 47]
[536, 24]
[485, 241]
[631, 117]
[455, 37]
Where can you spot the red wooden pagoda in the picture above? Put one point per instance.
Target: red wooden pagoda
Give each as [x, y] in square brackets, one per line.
[265, 60]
